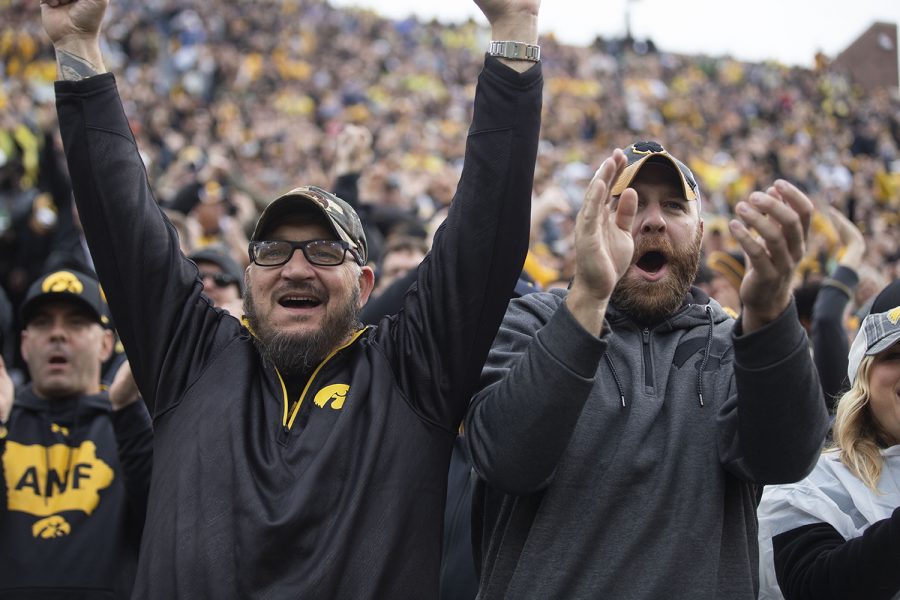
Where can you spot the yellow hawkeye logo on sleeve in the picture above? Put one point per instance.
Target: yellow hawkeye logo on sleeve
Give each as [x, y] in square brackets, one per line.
[43, 481]
[336, 394]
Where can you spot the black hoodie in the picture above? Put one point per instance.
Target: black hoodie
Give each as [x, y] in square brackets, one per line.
[73, 496]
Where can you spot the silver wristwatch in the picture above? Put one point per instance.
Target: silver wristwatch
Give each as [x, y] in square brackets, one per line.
[515, 50]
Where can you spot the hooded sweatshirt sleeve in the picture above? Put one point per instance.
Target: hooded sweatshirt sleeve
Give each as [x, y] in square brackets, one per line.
[773, 423]
[167, 327]
[134, 440]
[814, 562]
[538, 376]
[451, 315]
[829, 338]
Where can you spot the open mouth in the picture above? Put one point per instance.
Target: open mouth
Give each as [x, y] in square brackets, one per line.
[58, 359]
[652, 261]
[299, 302]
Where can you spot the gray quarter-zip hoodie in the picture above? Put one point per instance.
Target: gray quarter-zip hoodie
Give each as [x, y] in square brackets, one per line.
[630, 465]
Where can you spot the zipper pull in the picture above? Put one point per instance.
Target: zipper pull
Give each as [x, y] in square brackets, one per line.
[283, 435]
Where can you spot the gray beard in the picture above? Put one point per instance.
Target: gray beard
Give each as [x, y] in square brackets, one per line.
[651, 302]
[296, 354]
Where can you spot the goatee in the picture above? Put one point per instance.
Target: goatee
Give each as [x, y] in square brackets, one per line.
[295, 354]
[652, 301]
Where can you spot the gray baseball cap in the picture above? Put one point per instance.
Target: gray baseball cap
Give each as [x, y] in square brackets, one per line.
[879, 331]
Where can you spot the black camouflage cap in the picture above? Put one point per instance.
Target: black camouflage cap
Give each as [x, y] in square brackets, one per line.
[341, 216]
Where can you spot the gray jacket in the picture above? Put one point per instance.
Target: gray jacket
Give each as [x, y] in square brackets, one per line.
[630, 465]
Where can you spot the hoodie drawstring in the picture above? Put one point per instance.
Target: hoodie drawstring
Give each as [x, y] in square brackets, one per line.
[616, 377]
[709, 337]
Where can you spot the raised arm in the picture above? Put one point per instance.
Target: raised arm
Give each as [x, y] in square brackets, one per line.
[134, 440]
[829, 336]
[774, 422]
[7, 395]
[149, 284]
[453, 312]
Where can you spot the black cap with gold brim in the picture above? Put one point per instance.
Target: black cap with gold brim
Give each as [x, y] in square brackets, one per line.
[639, 153]
[68, 285]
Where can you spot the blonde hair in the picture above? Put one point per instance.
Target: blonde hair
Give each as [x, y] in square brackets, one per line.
[856, 433]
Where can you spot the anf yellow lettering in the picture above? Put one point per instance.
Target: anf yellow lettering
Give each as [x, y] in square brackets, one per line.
[56, 482]
[29, 480]
[44, 481]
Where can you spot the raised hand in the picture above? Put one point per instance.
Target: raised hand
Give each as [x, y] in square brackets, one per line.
[512, 20]
[780, 217]
[497, 10]
[7, 393]
[74, 28]
[354, 150]
[65, 18]
[123, 390]
[851, 239]
[604, 245]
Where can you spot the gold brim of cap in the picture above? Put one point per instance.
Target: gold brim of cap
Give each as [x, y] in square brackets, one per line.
[631, 171]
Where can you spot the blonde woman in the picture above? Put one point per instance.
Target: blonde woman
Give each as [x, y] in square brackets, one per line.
[836, 534]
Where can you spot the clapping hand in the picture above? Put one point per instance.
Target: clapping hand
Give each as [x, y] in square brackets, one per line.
[772, 228]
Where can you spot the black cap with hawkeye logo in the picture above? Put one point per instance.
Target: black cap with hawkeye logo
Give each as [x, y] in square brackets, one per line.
[68, 285]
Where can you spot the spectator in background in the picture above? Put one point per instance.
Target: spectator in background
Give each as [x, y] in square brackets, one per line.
[624, 427]
[228, 82]
[871, 281]
[42, 232]
[727, 273]
[306, 449]
[401, 255]
[887, 298]
[214, 224]
[185, 233]
[76, 461]
[222, 277]
[828, 328]
[834, 534]
[7, 329]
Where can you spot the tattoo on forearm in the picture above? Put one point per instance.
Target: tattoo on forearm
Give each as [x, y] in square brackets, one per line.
[74, 68]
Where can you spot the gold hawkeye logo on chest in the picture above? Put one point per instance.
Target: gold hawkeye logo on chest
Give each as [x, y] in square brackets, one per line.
[334, 394]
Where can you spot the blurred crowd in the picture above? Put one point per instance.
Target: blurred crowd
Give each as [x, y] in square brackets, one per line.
[233, 103]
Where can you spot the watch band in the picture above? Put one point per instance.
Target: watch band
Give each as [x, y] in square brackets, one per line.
[515, 50]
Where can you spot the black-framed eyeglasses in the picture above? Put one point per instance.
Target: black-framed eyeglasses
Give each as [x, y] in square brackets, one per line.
[221, 280]
[324, 253]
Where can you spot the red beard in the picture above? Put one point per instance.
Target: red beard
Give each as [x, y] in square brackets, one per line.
[652, 301]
